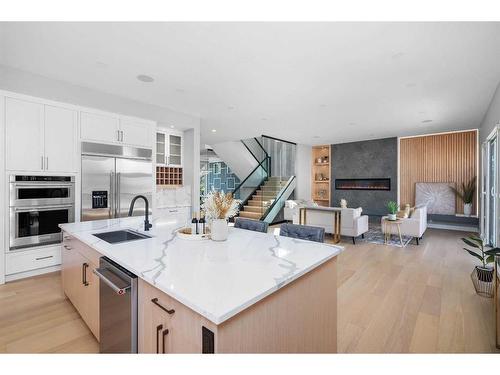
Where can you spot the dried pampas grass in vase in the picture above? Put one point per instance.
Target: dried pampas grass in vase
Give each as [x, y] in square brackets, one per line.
[218, 208]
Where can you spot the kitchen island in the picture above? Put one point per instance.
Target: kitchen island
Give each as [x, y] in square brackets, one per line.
[255, 292]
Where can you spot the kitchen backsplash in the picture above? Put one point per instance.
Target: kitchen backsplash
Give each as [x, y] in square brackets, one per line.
[173, 197]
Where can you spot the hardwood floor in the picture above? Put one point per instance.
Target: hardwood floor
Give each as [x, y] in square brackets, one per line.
[419, 299]
[36, 317]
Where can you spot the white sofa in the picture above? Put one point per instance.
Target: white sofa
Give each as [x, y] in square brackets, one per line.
[414, 226]
[352, 223]
[292, 208]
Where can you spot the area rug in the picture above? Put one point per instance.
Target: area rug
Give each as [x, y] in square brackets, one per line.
[375, 235]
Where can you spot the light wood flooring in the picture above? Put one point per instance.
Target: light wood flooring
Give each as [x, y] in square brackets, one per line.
[419, 299]
[36, 317]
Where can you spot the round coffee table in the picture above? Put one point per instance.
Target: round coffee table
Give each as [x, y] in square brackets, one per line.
[387, 230]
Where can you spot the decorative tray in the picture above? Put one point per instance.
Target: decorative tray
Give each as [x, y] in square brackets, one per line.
[185, 233]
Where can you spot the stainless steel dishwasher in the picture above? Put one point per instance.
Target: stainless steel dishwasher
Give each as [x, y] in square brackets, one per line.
[117, 308]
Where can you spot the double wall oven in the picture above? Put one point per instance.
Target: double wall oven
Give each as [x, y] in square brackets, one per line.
[38, 204]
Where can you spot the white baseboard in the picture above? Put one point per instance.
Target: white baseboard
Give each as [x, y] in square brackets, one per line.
[461, 228]
[23, 275]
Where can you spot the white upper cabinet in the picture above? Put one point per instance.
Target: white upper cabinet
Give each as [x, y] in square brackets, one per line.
[40, 137]
[169, 148]
[43, 136]
[99, 128]
[117, 130]
[136, 133]
[24, 135]
[60, 139]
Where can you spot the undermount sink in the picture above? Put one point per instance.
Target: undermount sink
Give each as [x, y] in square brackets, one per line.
[119, 236]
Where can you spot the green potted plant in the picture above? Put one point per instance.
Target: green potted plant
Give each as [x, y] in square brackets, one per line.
[466, 195]
[484, 272]
[392, 208]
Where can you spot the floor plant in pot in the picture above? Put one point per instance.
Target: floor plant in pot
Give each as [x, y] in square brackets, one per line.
[218, 208]
[482, 276]
[466, 194]
[392, 208]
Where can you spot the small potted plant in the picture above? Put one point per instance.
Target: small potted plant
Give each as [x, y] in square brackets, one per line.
[218, 208]
[482, 276]
[393, 208]
[466, 195]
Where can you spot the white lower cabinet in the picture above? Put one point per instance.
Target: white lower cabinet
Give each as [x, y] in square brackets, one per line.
[28, 260]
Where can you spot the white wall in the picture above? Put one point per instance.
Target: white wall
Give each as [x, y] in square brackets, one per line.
[303, 172]
[192, 164]
[2, 190]
[492, 116]
[32, 84]
[235, 154]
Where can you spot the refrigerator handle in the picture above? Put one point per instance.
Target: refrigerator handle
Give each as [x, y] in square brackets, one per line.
[111, 195]
[118, 186]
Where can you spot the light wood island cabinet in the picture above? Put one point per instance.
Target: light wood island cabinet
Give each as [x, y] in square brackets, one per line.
[80, 284]
[300, 317]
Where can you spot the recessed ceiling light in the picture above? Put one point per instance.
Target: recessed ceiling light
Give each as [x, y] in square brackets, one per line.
[316, 136]
[426, 121]
[172, 126]
[398, 55]
[411, 85]
[230, 107]
[101, 64]
[322, 105]
[145, 78]
[214, 130]
[352, 123]
[180, 91]
[263, 119]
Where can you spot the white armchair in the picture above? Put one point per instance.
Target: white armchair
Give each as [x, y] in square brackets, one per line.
[413, 226]
[352, 223]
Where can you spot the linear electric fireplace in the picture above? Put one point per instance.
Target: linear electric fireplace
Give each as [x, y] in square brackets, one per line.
[363, 184]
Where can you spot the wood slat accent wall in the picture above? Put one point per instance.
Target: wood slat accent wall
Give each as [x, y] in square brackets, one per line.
[449, 157]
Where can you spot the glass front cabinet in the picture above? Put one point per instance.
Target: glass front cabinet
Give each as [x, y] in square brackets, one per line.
[169, 149]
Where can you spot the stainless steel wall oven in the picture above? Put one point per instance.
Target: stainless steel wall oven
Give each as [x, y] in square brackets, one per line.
[38, 204]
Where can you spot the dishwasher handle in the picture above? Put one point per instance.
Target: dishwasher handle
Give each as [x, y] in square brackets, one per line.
[120, 291]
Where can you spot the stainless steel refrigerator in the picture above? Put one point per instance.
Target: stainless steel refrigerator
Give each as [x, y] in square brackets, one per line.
[112, 175]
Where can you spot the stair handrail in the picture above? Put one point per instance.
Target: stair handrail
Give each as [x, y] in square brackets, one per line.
[250, 151]
[250, 174]
[266, 157]
[281, 192]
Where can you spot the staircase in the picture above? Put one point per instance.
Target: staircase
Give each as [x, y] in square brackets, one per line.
[262, 198]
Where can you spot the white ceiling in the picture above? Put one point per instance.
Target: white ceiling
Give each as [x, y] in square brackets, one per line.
[298, 81]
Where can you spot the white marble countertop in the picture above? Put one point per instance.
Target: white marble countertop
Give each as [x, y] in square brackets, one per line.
[216, 279]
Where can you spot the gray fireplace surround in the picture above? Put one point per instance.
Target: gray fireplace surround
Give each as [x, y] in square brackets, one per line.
[373, 159]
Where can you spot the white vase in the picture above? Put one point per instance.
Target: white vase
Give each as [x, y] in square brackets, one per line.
[467, 209]
[219, 230]
[391, 217]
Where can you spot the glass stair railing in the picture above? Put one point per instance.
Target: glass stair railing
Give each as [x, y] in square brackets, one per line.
[264, 190]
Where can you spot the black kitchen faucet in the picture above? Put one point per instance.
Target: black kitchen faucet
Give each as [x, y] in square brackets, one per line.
[147, 225]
